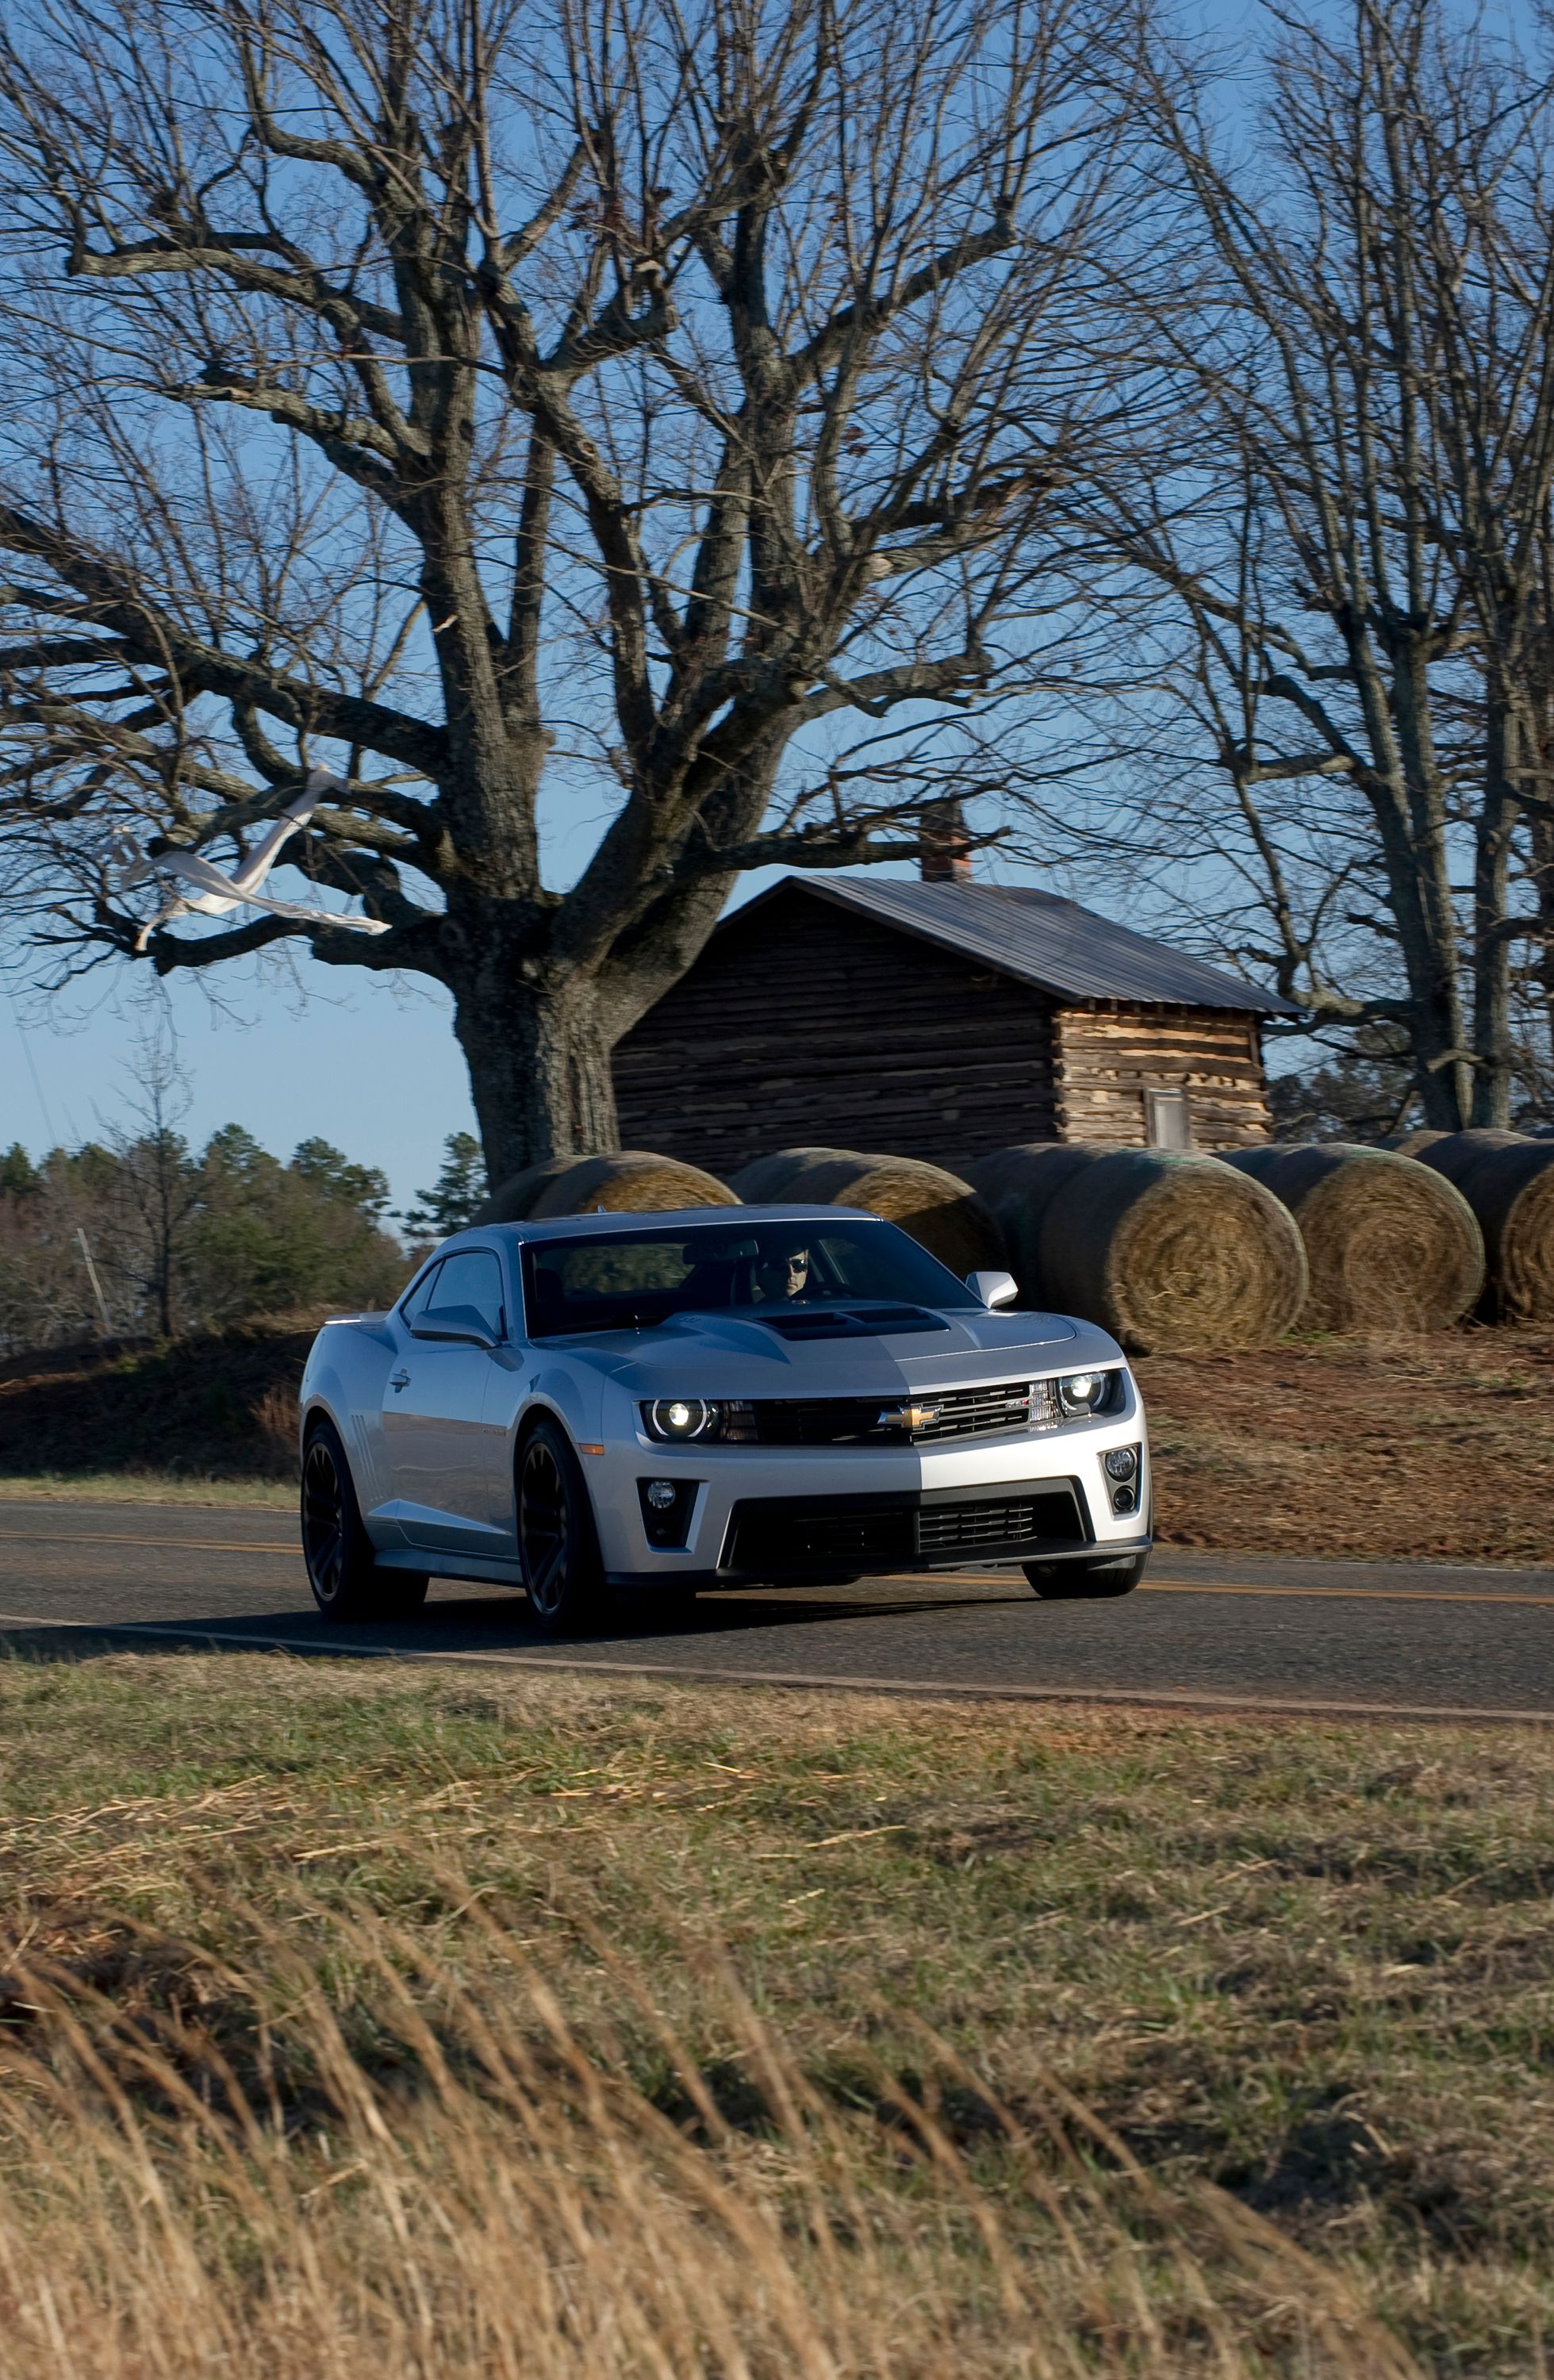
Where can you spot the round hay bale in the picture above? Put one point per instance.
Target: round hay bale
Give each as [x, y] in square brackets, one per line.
[1164, 1250]
[1019, 1184]
[629, 1182]
[1508, 1180]
[769, 1182]
[1390, 1245]
[1456, 1152]
[1409, 1144]
[942, 1213]
[513, 1201]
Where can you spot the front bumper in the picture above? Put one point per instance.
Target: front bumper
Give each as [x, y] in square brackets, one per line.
[764, 1513]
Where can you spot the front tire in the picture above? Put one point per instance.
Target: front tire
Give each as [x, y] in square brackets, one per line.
[558, 1545]
[1084, 1581]
[342, 1567]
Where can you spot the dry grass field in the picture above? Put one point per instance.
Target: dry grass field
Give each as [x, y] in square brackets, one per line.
[355, 2022]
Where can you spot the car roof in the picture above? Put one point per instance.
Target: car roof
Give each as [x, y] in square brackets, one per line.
[570, 1227]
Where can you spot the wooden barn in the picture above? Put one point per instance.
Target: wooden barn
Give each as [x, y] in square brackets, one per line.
[940, 1019]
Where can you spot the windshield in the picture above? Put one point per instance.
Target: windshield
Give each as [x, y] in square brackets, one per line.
[634, 1280]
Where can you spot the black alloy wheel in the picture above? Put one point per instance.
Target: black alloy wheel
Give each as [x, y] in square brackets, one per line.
[558, 1546]
[1084, 1581]
[342, 1569]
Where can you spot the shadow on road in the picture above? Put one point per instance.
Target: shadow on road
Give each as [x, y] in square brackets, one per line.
[476, 1624]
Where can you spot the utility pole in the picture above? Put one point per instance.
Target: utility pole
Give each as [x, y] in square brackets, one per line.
[96, 1284]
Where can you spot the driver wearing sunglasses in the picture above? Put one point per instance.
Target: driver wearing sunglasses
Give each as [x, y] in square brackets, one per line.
[782, 1276]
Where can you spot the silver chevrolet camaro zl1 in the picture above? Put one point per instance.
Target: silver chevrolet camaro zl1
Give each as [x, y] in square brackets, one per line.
[606, 1405]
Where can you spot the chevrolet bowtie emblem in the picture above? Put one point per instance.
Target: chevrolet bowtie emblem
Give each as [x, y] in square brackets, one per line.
[908, 1417]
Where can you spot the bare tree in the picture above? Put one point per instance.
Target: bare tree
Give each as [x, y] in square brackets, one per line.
[1533, 980]
[1363, 336]
[152, 1191]
[567, 411]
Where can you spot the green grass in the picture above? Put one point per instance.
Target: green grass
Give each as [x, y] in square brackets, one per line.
[1310, 1966]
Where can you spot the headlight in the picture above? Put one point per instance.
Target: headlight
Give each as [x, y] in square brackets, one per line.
[1083, 1395]
[681, 1420]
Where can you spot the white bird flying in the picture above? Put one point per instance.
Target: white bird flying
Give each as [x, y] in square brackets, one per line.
[195, 884]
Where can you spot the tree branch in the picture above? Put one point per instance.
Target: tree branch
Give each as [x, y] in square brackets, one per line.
[152, 634]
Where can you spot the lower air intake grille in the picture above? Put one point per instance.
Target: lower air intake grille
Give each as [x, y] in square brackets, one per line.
[789, 1536]
[975, 1524]
[770, 1538]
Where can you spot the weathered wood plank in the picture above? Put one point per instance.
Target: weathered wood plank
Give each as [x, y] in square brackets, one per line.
[1109, 1057]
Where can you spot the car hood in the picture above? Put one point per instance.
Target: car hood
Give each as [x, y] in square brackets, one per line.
[729, 1355]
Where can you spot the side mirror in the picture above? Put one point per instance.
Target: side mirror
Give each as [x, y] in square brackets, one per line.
[994, 1289]
[464, 1325]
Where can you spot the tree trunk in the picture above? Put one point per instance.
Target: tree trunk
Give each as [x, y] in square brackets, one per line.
[1421, 905]
[538, 1059]
[1492, 996]
[1412, 819]
[1543, 887]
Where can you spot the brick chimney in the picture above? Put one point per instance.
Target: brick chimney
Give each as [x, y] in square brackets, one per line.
[943, 846]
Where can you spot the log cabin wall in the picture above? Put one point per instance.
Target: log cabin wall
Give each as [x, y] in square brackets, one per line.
[808, 1027]
[1110, 1053]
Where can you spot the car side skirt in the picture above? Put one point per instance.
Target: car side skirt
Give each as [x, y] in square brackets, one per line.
[487, 1569]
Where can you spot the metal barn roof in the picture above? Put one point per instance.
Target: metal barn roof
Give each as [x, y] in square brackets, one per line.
[1040, 939]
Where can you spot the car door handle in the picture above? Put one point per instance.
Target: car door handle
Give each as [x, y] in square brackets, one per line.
[400, 1379]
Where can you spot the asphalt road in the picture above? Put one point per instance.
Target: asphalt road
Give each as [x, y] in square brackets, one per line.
[1205, 1630]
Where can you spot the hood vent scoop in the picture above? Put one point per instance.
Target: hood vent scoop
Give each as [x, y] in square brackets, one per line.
[801, 1323]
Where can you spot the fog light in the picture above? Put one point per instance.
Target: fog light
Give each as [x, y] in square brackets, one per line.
[1124, 1499]
[1121, 1462]
[667, 1506]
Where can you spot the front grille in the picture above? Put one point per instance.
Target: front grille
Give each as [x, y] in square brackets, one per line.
[882, 1421]
[970, 1412]
[874, 1533]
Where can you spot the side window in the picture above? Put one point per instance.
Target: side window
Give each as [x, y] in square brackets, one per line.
[473, 1279]
[1167, 1119]
[414, 1305]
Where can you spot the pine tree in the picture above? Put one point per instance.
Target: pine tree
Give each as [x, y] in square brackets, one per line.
[19, 1178]
[458, 1191]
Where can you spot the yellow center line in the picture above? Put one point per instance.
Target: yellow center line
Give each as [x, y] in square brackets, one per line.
[1346, 1594]
[100, 1538]
[1241, 1586]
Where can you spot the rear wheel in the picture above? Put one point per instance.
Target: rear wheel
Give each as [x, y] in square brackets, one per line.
[558, 1545]
[1084, 1581]
[343, 1570]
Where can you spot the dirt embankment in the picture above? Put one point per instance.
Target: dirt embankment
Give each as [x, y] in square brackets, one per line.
[1440, 1448]
[221, 1405]
[1410, 1449]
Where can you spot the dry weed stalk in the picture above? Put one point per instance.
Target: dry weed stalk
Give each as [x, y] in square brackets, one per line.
[370, 2159]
